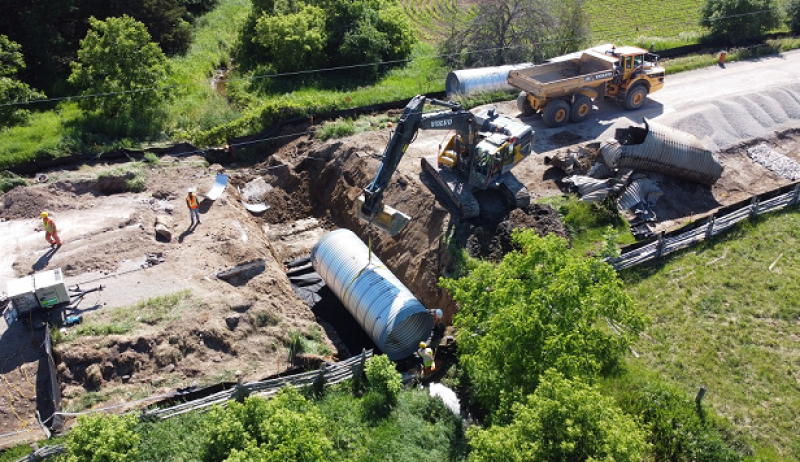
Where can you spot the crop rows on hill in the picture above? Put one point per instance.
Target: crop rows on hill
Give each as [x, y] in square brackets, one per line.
[610, 19]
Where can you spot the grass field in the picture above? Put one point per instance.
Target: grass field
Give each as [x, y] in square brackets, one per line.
[725, 315]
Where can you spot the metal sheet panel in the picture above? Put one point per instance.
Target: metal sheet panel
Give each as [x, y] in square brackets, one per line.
[219, 186]
[383, 306]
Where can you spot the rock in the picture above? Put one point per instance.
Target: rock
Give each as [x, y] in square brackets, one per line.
[169, 368]
[163, 233]
[232, 320]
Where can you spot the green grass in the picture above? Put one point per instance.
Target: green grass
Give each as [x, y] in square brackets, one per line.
[42, 138]
[701, 60]
[589, 224]
[620, 20]
[722, 319]
[197, 105]
[156, 310]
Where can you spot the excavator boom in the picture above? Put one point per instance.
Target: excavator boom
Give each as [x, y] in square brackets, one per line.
[480, 155]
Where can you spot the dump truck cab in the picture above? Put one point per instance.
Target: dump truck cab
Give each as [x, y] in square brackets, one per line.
[635, 68]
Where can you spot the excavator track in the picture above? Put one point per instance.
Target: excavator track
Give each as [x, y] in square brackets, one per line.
[458, 191]
[514, 192]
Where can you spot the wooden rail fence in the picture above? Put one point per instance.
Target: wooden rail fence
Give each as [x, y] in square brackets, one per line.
[327, 374]
[758, 205]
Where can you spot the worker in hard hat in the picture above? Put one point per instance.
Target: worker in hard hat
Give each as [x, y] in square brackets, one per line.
[438, 322]
[191, 202]
[426, 358]
[50, 230]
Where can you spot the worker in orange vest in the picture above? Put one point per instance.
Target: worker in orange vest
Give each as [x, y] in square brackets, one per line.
[50, 231]
[191, 202]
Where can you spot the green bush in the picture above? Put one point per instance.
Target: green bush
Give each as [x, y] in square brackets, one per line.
[285, 428]
[792, 8]
[103, 438]
[542, 307]
[737, 20]
[385, 383]
[678, 429]
[9, 181]
[564, 420]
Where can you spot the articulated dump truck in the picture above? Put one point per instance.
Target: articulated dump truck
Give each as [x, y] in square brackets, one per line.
[564, 88]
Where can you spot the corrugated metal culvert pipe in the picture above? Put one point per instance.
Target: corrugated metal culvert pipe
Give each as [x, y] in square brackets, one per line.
[384, 307]
[466, 81]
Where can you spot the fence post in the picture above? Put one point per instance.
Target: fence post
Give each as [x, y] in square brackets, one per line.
[710, 228]
[660, 246]
[796, 194]
[240, 392]
[754, 207]
[319, 381]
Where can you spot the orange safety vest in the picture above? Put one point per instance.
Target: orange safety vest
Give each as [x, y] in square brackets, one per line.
[49, 226]
[191, 200]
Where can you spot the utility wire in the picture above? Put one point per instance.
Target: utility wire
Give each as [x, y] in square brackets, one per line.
[331, 69]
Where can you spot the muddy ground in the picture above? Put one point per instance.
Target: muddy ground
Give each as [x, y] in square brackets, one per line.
[244, 324]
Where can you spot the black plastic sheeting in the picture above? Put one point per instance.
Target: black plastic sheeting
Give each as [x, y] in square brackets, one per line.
[309, 286]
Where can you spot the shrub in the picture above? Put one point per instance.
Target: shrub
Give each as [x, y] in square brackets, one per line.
[792, 8]
[737, 20]
[679, 430]
[286, 428]
[563, 420]
[9, 181]
[103, 438]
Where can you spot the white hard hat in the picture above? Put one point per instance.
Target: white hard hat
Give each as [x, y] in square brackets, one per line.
[191, 190]
[439, 313]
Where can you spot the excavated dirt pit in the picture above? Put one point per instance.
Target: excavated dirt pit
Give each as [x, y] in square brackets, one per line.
[244, 323]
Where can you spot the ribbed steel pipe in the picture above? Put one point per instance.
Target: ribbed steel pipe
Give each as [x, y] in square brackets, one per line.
[384, 307]
[466, 81]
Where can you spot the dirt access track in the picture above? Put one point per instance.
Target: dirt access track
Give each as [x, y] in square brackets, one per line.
[214, 327]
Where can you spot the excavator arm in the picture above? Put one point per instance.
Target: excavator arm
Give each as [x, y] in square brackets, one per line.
[371, 207]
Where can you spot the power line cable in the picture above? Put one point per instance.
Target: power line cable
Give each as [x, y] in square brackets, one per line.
[329, 69]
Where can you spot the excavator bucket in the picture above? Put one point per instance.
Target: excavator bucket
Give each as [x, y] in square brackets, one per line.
[386, 218]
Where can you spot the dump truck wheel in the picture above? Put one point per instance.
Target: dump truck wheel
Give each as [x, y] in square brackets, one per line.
[635, 98]
[556, 114]
[524, 105]
[580, 108]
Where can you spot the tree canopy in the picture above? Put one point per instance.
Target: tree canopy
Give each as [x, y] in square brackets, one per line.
[49, 30]
[118, 60]
[563, 421]
[514, 31]
[290, 35]
[737, 20]
[542, 307]
[13, 90]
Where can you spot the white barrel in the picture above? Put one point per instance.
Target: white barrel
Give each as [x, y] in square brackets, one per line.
[384, 307]
[466, 81]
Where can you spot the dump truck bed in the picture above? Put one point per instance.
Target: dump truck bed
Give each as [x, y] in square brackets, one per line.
[559, 78]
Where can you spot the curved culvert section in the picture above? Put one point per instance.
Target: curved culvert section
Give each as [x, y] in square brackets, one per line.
[383, 306]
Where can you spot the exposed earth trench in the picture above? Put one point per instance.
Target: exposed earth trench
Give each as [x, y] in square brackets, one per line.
[214, 328]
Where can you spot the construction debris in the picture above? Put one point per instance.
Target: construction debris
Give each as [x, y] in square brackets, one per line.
[661, 149]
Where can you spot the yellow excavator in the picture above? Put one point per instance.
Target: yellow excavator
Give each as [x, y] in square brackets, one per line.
[480, 155]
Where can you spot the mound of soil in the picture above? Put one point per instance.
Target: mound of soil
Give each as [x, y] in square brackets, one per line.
[492, 241]
[23, 203]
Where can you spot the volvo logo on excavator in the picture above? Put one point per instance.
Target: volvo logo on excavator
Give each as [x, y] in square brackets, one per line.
[441, 123]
